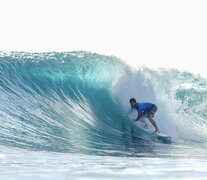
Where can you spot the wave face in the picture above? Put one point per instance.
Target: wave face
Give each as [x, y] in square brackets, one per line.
[77, 102]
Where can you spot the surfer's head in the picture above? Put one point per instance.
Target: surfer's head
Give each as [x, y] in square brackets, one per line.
[132, 102]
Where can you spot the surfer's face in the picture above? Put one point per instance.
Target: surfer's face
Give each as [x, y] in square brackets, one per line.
[133, 103]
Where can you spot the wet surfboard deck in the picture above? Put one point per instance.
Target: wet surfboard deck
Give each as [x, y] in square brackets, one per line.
[162, 137]
[157, 136]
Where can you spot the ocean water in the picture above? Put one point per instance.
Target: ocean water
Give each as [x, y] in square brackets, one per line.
[64, 116]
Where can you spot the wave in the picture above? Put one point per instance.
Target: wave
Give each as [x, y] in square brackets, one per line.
[77, 102]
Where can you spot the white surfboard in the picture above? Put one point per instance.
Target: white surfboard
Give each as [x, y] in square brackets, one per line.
[163, 137]
[159, 136]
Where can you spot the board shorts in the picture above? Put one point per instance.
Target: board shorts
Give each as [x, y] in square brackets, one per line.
[152, 111]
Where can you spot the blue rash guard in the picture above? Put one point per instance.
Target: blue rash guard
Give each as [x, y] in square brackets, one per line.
[143, 107]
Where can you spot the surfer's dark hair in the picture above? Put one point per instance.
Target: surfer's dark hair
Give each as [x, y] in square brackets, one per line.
[132, 99]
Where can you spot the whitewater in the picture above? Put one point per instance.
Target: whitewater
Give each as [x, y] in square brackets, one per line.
[64, 116]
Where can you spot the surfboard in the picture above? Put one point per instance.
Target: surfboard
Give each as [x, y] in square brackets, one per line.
[163, 137]
[158, 136]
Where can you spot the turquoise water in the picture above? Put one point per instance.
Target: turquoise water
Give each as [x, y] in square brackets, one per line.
[64, 116]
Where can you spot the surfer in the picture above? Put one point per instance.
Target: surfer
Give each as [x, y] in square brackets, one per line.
[145, 110]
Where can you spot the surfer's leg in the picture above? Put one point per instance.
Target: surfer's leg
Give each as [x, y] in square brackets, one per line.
[153, 110]
[150, 116]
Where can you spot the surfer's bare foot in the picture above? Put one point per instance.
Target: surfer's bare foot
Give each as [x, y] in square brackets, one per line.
[156, 132]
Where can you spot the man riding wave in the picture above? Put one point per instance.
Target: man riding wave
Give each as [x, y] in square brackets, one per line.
[145, 110]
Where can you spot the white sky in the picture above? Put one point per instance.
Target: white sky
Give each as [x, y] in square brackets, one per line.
[154, 33]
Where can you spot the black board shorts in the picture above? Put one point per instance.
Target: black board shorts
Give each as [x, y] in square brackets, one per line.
[152, 111]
